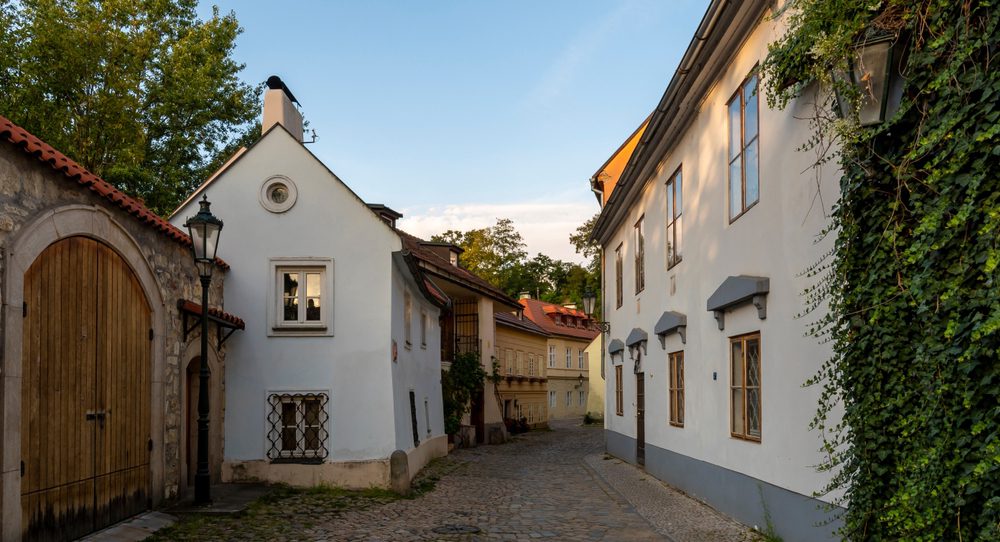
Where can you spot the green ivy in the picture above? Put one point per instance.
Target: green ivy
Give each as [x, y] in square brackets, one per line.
[458, 384]
[910, 407]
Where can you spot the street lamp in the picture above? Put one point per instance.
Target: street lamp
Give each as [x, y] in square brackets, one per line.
[579, 381]
[871, 72]
[589, 299]
[204, 229]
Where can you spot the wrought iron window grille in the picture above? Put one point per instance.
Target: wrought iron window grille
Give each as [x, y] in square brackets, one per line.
[297, 427]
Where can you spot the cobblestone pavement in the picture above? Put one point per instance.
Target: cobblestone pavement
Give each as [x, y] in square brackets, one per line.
[538, 487]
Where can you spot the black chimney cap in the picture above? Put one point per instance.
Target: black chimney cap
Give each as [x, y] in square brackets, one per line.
[275, 83]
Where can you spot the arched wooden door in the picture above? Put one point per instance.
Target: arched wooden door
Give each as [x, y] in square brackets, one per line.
[85, 393]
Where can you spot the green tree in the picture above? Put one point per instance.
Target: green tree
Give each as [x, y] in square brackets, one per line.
[584, 245]
[141, 92]
[493, 253]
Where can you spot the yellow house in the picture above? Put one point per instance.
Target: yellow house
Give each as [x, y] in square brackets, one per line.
[567, 367]
[520, 359]
[595, 394]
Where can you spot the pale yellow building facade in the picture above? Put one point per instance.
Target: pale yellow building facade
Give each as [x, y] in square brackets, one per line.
[520, 361]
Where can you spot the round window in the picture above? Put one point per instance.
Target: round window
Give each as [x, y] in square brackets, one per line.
[278, 194]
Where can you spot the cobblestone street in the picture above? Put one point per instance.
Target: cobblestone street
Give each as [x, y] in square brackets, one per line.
[549, 485]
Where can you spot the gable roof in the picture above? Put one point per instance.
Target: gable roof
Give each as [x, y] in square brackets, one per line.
[33, 146]
[522, 324]
[543, 314]
[442, 268]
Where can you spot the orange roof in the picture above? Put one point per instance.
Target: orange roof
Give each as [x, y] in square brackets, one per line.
[549, 317]
[195, 308]
[33, 146]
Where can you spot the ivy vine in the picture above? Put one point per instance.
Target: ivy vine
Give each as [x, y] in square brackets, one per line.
[910, 408]
[459, 383]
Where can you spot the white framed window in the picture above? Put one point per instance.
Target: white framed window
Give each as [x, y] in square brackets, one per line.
[407, 320]
[301, 296]
[569, 398]
[552, 356]
[579, 358]
[423, 328]
[297, 427]
[510, 362]
[582, 397]
[531, 364]
[427, 416]
[569, 358]
[520, 362]
[552, 399]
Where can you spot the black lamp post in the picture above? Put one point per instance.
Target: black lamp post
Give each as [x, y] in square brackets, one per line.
[204, 229]
[589, 300]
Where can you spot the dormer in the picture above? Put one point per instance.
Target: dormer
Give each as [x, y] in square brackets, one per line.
[386, 214]
[446, 251]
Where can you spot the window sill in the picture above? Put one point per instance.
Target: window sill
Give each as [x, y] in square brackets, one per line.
[300, 331]
[745, 438]
[299, 460]
[678, 425]
[675, 264]
[743, 212]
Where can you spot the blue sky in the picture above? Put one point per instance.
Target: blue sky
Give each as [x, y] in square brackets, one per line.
[456, 113]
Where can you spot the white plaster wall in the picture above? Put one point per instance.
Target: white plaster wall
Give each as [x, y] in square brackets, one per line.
[352, 365]
[417, 368]
[777, 238]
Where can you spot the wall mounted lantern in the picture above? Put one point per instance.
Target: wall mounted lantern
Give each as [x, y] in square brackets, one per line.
[874, 70]
[204, 229]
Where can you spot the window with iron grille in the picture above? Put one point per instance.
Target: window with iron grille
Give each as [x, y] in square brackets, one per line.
[676, 388]
[745, 386]
[297, 427]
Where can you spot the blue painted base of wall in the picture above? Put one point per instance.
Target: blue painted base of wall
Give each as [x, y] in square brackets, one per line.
[795, 517]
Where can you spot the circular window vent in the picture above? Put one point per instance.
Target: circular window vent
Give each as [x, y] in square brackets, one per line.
[278, 194]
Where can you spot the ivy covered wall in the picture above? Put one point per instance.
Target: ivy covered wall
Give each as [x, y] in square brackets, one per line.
[913, 285]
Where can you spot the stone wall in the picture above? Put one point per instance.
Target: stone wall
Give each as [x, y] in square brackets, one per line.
[29, 191]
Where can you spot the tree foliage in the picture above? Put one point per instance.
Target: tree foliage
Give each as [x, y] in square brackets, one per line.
[497, 254]
[141, 92]
[912, 284]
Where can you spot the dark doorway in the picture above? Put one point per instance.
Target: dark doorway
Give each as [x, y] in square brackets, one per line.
[640, 418]
[478, 416]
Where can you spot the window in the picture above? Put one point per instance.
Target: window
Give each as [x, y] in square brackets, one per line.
[618, 277]
[407, 320]
[301, 296]
[552, 355]
[675, 204]
[552, 399]
[531, 364]
[569, 358]
[582, 397]
[569, 398]
[745, 386]
[676, 361]
[297, 427]
[619, 402]
[510, 362]
[427, 416]
[744, 182]
[640, 256]
[520, 362]
[579, 358]
[423, 329]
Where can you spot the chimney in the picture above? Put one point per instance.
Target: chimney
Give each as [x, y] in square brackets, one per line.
[525, 295]
[279, 108]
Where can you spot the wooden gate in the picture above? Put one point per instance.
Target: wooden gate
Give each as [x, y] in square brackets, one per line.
[85, 393]
[640, 418]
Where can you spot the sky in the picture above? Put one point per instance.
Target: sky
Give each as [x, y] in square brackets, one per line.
[457, 113]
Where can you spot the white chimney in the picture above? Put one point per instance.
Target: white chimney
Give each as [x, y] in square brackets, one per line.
[279, 108]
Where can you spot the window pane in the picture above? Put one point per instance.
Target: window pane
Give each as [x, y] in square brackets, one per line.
[312, 284]
[737, 364]
[670, 201]
[750, 112]
[735, 189]
[678, 243]
[288, 426]
[750, 159]
[311, 416]
[753, 363]
[313, 309]
[738, 411]
[753, 412]
[680, 406]
[311, 435]
[291, 309]
[678, 194]
[735, 143]
[291, 281]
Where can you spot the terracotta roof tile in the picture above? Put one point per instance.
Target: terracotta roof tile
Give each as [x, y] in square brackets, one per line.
[32, 146]
[525, 324]
[543, 314]
[195, 308]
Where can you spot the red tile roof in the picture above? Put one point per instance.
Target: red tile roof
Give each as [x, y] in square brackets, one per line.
[191, 307]
[415, 246]
[32, 146]
[525, 324]
[544, 314]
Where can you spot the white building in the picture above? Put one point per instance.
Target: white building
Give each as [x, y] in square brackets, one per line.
[340, 363]
[706, 235]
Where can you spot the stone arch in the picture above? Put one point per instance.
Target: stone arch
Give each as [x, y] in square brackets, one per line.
[33, 238]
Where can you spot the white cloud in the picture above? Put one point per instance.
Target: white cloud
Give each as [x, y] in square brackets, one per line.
[546, 227]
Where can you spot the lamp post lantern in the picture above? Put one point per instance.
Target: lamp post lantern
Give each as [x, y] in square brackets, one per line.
[204, 229]
[872, 70]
